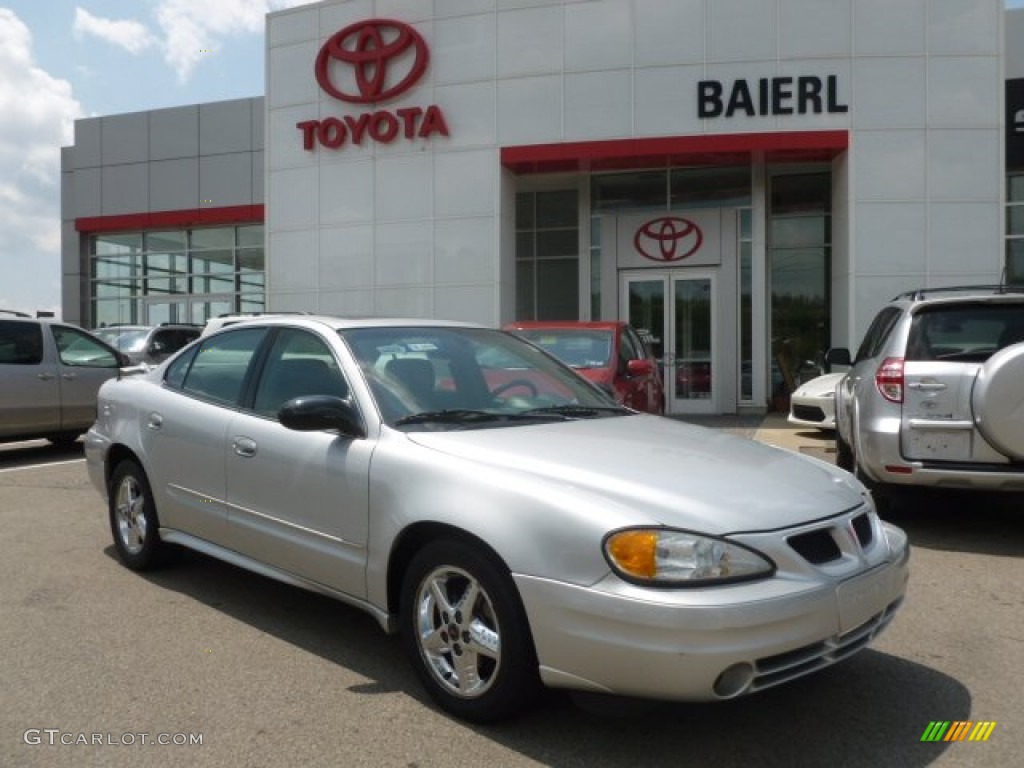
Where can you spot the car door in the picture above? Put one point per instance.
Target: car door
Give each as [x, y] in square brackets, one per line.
[83, 364]
[299, 500]
[30, 401]
[184, 430]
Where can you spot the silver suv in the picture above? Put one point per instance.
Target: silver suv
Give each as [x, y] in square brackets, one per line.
[935, 395]
[148, 344]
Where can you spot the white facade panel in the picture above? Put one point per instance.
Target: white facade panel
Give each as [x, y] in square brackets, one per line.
[403, 187]
[174, 133]
[465, 303]
[403, 253]
[890, 165]
[889, 238]
[125, 138]
[346, 259]
[125, 189]
[882, 27]
[444, 8]
[668, 32]
[814, 28]
[889, 92]
[465, 183]
[593, 36]
[964, 91]
[464, 252]
[346, 192]
[335, 16]
[529, 110]
[963, 239]
[964, 165]
[225, 180]
[226, 126]
[955, 26]
[88, 152]
[292, 202]
[472, 107]
[742, 30]
[295, 262]
[299, 25]
[599, 105]
[530, 42]
[472, 41]
[289, 75]
[663, 100]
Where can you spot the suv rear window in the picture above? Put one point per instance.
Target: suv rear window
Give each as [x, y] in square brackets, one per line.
[965, 332]
[20, 343]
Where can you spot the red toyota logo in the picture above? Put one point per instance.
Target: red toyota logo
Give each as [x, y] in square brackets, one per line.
[373, 49]
[669, 238]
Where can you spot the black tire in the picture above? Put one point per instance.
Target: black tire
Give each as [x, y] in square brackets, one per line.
[133, 519]
[880, 492]
[64, 439]
[499, 675]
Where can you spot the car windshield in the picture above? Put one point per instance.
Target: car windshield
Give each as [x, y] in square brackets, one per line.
[121, 339]
[579, 348]
[469, 378]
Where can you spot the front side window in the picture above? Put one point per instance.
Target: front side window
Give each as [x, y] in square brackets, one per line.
[220, 364]
[300, 363]
[75, 348]
[20, 343]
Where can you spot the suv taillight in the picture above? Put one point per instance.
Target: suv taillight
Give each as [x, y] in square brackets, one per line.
[889, 379]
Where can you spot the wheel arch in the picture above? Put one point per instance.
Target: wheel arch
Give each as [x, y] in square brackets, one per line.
[115, 455]
[416, 536]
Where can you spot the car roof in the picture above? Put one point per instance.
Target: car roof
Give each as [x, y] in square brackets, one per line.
[597, 325]
[341, 323]
[959, 293]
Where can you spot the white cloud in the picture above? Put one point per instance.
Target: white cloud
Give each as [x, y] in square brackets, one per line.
[191, 28]
[38, 118]
[124, 33]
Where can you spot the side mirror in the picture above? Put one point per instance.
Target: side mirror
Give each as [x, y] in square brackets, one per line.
[639, 367]
[312, 413]
[837, 356]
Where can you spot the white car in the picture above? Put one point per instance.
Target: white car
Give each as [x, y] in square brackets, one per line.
[814, 403]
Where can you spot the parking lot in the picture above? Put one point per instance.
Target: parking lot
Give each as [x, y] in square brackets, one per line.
[267, 675]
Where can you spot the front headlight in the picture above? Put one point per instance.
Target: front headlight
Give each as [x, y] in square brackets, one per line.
[674, 558]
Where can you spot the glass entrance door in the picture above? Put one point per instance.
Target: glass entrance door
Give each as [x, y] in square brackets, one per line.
[677, 310]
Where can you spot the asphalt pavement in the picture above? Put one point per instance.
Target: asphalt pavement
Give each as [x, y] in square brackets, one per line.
[268, 675]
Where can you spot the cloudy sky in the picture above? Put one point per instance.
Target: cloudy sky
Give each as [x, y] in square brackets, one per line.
[65, 59]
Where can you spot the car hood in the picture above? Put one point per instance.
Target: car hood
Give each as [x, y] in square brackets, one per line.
[676, 474]
[820, 386]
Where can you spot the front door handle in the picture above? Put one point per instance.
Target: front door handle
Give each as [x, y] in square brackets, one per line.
[244, 446]
[45, 376]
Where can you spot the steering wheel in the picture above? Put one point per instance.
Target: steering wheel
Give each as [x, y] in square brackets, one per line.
[516, 383]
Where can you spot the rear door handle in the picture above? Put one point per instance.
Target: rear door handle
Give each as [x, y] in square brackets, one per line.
[244, 446]
[69, 376]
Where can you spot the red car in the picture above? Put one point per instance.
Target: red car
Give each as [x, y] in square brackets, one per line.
[610, 354]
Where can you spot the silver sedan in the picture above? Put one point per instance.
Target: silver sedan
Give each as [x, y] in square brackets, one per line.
[508, 519]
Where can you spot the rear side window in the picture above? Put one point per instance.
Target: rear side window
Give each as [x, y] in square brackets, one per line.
[20, 343]
[220, 364]
[878, 333]
[965, 332]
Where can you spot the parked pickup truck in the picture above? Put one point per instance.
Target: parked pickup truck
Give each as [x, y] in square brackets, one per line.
[49, 375]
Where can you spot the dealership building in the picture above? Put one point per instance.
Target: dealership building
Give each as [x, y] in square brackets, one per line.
[746, 180]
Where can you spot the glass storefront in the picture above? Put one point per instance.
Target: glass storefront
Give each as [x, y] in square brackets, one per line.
[799, 263]
[1015, 228]
[547, 255]
[184, 276]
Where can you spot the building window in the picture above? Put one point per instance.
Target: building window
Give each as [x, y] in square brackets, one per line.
[799, 254]
[547, 255]
[745, 249]
[177, 275]
[1015, 228]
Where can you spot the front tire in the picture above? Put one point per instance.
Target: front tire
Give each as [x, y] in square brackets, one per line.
[133, 520]
[465, 631]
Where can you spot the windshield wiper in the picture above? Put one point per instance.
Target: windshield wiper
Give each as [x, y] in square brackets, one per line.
[576, 411]
[468, 416]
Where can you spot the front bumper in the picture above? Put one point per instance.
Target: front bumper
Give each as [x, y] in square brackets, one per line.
[710, 643]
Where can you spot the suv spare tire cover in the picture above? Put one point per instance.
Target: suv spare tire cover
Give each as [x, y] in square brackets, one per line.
[998, 401]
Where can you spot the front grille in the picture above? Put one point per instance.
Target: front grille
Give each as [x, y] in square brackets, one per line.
[816, 547]
[783, 667]
[808, 412]
[862, 527]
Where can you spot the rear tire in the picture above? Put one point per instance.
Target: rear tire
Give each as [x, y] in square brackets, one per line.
[844, 455]
[465, 631]
[133, 519]
[880, 493]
